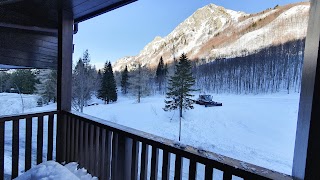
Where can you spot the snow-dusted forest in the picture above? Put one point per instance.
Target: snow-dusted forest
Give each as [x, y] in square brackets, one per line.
[269, 70]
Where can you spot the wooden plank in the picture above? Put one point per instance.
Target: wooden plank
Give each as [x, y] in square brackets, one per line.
[72, 139]
[114, 163]
[50, 137]
[30, 29]
[122, 159]
[76, 148]
[28, 148]
[108, 154]
[135, 160]
[15, 148]
[68, 139]
[144, 161]
[91, 149]
[192, 169]
[227, 176]
[128, 157]
[81, 143]
[154, 163]
[2, 139]
[40, 140]
[86, 145]
[178, 167]
[97, 152]
[208, 172]
[103, 154]
[166, 165]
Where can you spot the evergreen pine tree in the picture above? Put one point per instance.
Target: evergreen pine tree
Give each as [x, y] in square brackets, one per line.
[25, 80]
[108, 89]
[160, 74]
[102, 92]
[166, 70]
[124, 81]
[180, 87]
[50, 88]
[113, 87]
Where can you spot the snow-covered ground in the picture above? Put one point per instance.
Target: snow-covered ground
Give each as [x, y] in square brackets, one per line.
[258, 129]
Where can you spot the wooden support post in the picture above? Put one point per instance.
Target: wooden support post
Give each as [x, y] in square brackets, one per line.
[65, 49]
[306, 159]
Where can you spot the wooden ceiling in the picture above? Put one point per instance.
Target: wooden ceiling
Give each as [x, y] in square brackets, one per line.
[28, 28]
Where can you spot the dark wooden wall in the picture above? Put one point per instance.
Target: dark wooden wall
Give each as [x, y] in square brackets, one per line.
[29, 28]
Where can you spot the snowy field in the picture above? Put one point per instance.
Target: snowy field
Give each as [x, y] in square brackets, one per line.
[258, 129]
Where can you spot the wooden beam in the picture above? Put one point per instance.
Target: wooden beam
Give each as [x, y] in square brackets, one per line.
[307, 146]
[65, 49]
[65, 45]
[9, 2]
[38, 30]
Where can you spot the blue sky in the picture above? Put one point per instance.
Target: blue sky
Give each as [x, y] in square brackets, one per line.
[125, 31]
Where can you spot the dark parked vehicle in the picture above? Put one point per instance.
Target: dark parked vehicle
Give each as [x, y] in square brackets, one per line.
[207, 101]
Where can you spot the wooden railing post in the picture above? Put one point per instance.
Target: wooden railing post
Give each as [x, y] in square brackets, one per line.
[65, 49]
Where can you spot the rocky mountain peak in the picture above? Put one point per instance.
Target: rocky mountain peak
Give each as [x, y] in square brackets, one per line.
[214, 32]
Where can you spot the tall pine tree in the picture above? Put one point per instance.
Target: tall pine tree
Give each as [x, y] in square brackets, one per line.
[180, 87]
[160, 74]
[124, 81]
[108, 89]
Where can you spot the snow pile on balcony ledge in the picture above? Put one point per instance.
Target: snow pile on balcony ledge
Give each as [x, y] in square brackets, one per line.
[51, 170]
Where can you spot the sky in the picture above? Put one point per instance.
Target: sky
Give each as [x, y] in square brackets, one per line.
[126, 30]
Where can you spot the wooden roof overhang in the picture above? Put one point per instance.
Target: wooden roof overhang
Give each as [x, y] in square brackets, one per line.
[29, 28]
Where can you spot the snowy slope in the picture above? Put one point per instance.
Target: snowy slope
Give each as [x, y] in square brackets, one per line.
[214, 32]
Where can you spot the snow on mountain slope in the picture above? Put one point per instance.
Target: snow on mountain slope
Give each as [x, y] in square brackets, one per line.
[214, 32]
[260, 38]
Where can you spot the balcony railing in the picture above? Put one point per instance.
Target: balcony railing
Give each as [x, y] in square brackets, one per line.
[17, 131]
[112, 151]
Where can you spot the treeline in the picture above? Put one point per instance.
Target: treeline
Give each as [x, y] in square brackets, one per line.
[19, 81]
[269, 70]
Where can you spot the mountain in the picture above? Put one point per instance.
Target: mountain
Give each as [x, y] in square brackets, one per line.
[215, 32]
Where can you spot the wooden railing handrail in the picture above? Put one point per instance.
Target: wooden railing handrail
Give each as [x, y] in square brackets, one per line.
[223, 163]
[25, 115]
